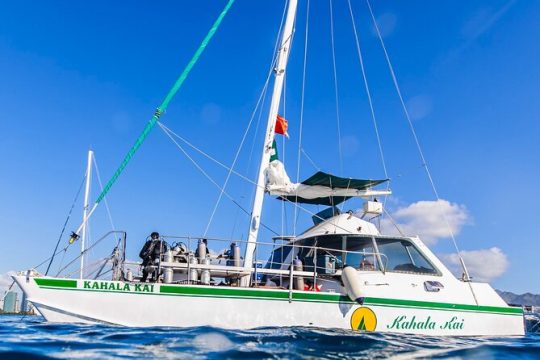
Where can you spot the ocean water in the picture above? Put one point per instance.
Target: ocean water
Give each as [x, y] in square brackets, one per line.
[32, 338]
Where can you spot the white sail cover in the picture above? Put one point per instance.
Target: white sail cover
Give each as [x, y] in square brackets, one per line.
[277, 180]
[321, 188]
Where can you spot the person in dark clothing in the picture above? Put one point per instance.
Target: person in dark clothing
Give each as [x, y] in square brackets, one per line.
[152, 249]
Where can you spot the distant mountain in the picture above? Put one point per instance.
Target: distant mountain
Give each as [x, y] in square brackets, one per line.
[524, 299]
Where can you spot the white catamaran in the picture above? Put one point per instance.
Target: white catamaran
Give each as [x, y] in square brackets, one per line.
[340, 273]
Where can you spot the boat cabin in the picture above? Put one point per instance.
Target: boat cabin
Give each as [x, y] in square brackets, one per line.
[330, 253]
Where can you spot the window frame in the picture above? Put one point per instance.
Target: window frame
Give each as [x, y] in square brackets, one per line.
[375, 253]
[411, 243]
[382, 265]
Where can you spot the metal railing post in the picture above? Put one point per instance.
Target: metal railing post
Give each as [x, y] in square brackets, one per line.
[291, 282]
[189, 260]
[314, 287]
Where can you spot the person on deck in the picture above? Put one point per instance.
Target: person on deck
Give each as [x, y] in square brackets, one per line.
[152, 249]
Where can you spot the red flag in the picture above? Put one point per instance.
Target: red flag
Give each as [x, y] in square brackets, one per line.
[281, 126]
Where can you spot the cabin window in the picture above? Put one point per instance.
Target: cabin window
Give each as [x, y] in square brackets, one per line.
[400, 255]
[326, 258]
[340, 250]
[361, 253]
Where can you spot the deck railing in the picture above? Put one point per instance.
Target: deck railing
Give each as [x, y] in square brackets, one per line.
[282, 269]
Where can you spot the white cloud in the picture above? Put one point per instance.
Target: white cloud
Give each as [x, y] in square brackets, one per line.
[428, 219]
[483, 265]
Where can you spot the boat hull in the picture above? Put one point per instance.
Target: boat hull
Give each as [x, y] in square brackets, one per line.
[146, 305]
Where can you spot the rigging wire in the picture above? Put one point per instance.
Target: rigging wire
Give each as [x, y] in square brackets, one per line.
[189, 144]
[371, 107]
[265, 90]
[302, 114]
[257, 126]
[336, 88]
[49, 258]
[107, 208]
[65, 225]
[157, 114]
[368, 92]
[89, 239]
[310, 160]
[261, 98]
[88, 249]
[248, 166]
[393, 221]
[104, 199]
[170, 134]
[235, 160]
[272, 66]
[62, 261]
[421, 153]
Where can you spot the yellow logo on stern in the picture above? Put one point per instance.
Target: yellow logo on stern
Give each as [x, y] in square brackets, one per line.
[363, 319]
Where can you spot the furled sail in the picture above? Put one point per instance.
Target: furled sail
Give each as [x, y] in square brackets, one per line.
[320, 189]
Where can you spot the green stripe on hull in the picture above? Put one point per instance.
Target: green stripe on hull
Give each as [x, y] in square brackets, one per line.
[325, 297]
[250, 293]
[441, 306]
[61, 283]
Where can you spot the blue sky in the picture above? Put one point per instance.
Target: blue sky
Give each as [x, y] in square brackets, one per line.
[76, 75]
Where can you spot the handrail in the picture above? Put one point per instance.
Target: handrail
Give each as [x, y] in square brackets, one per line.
[287, 244]
[281, 264]
[278, 242]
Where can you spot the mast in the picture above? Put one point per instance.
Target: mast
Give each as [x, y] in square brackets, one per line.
[279, 74]
[85, 208]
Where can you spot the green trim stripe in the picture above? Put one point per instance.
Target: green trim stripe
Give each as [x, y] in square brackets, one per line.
[252, 293]
[263, 294]
[60, 283]
[325, 297]
[441, 306]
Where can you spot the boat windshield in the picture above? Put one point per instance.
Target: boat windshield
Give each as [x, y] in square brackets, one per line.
[341, 250]
[402, 256]
[361, 253]
[329, 253]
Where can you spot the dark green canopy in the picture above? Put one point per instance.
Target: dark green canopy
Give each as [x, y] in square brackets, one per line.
[327, 201]
[333, 182]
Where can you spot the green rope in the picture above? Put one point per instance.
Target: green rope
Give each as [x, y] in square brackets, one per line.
[161, 109]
